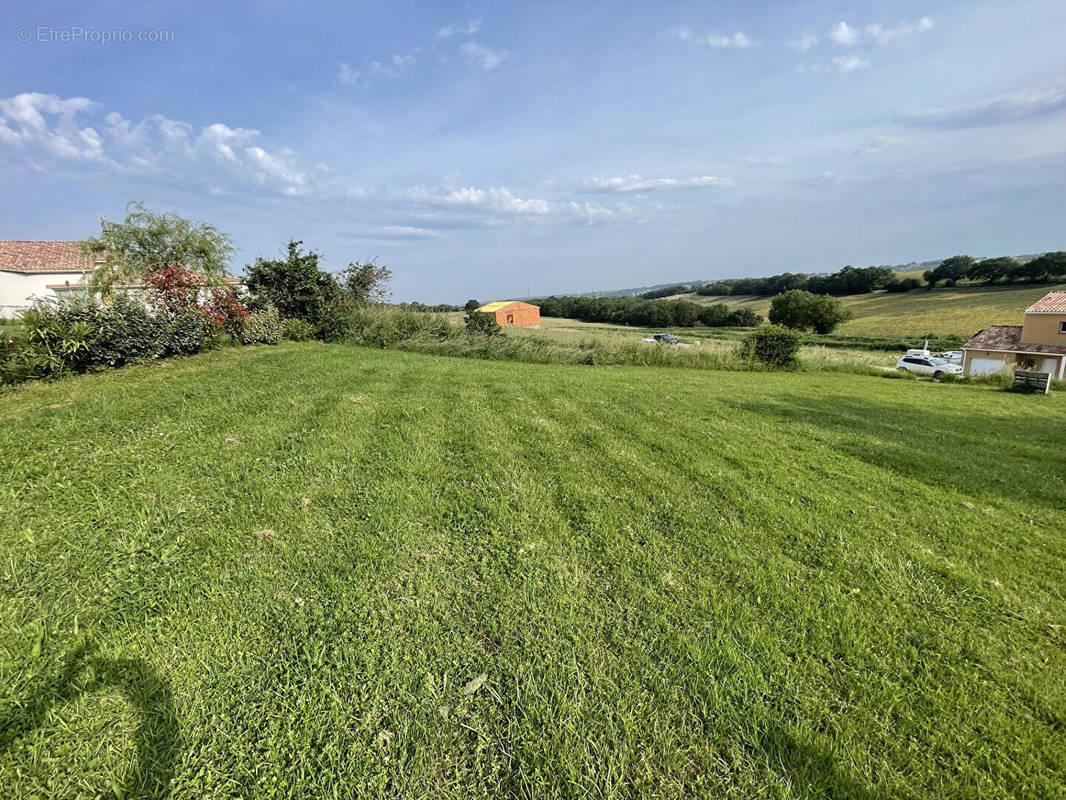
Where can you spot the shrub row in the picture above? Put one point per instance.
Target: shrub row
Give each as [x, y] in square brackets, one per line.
[84, 334]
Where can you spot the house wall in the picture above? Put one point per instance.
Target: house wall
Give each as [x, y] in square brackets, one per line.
[524, 314]
[1044, 328]
[1054, 364]
[969, 355]
[18, 290]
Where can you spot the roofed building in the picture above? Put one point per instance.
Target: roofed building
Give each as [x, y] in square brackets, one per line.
[31, 271]
[513, 313]
[1038, 345]
[34, 270]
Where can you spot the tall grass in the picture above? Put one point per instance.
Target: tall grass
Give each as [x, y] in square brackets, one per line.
[437, 334]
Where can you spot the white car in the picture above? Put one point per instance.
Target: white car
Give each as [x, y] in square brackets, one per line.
[928, 365]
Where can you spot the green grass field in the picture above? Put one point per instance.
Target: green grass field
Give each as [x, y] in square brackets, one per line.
[329, 572]
[959, 311]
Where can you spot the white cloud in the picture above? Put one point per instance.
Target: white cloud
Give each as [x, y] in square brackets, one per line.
[804, 41]
[848, 63]
[278, 168]
[497, 199]
[478, 55]
[468, 28]
[998, 110]
[737, 39]
[49, 123]
[48, 133]
[842, 33]
[404, 232]
[637, 183]
[44, 129]
[347, 75]
[883, 35]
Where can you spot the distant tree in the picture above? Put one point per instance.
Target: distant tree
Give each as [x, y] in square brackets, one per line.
[294, 285]
[666, 291]
[902, 285]
[954, 269]
[991, 269]
[801, 310]
[686, 314]
[472, 305]
[930, 277]
[716, 289]
[367, 282]
[771, 345]
[743, 318]
[1046, 266]
[146, 241]
[826, 313]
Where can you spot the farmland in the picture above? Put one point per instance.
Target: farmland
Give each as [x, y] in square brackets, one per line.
[327, 571]
[958, 311]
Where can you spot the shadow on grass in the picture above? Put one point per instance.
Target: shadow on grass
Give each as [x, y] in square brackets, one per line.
[157, 737]
[998, 454]
[813, 772]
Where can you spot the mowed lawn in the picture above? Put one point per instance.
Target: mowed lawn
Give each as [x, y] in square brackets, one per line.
[330, 572]
[956, 311]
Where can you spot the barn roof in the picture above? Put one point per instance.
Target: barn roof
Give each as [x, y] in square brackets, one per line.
[497, 305]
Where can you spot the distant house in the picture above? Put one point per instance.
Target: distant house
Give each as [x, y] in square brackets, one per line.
[1038, 345]
[513, 313]
[34, 270]
[31, 271]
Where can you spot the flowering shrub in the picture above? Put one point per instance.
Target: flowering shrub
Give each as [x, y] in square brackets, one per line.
[173, 290]
[224, 309]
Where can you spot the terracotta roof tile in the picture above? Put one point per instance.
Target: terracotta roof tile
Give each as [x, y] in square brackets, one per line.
[1009, 338]
[1051, 303]
[18, 256]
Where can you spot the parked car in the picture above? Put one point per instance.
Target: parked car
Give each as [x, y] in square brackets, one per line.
[929, 365]
[663, 338]
[953, 356]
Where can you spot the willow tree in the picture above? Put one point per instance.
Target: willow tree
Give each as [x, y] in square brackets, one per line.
[146, 241]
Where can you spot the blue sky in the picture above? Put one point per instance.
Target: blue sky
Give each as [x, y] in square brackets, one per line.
[491, 150]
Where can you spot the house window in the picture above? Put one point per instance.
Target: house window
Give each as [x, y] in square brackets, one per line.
[1062, 327]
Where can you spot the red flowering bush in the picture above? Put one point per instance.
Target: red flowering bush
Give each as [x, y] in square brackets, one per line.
[224, 309]
[174, 291]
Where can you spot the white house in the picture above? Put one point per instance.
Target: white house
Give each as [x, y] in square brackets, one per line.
[32, 271]
[40, 270]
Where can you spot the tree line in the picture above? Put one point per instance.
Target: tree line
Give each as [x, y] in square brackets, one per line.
[647, 313]
[1050, 266]
[847, 280]
[862, 280]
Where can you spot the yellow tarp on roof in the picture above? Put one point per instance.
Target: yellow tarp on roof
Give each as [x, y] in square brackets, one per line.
[491, 307]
